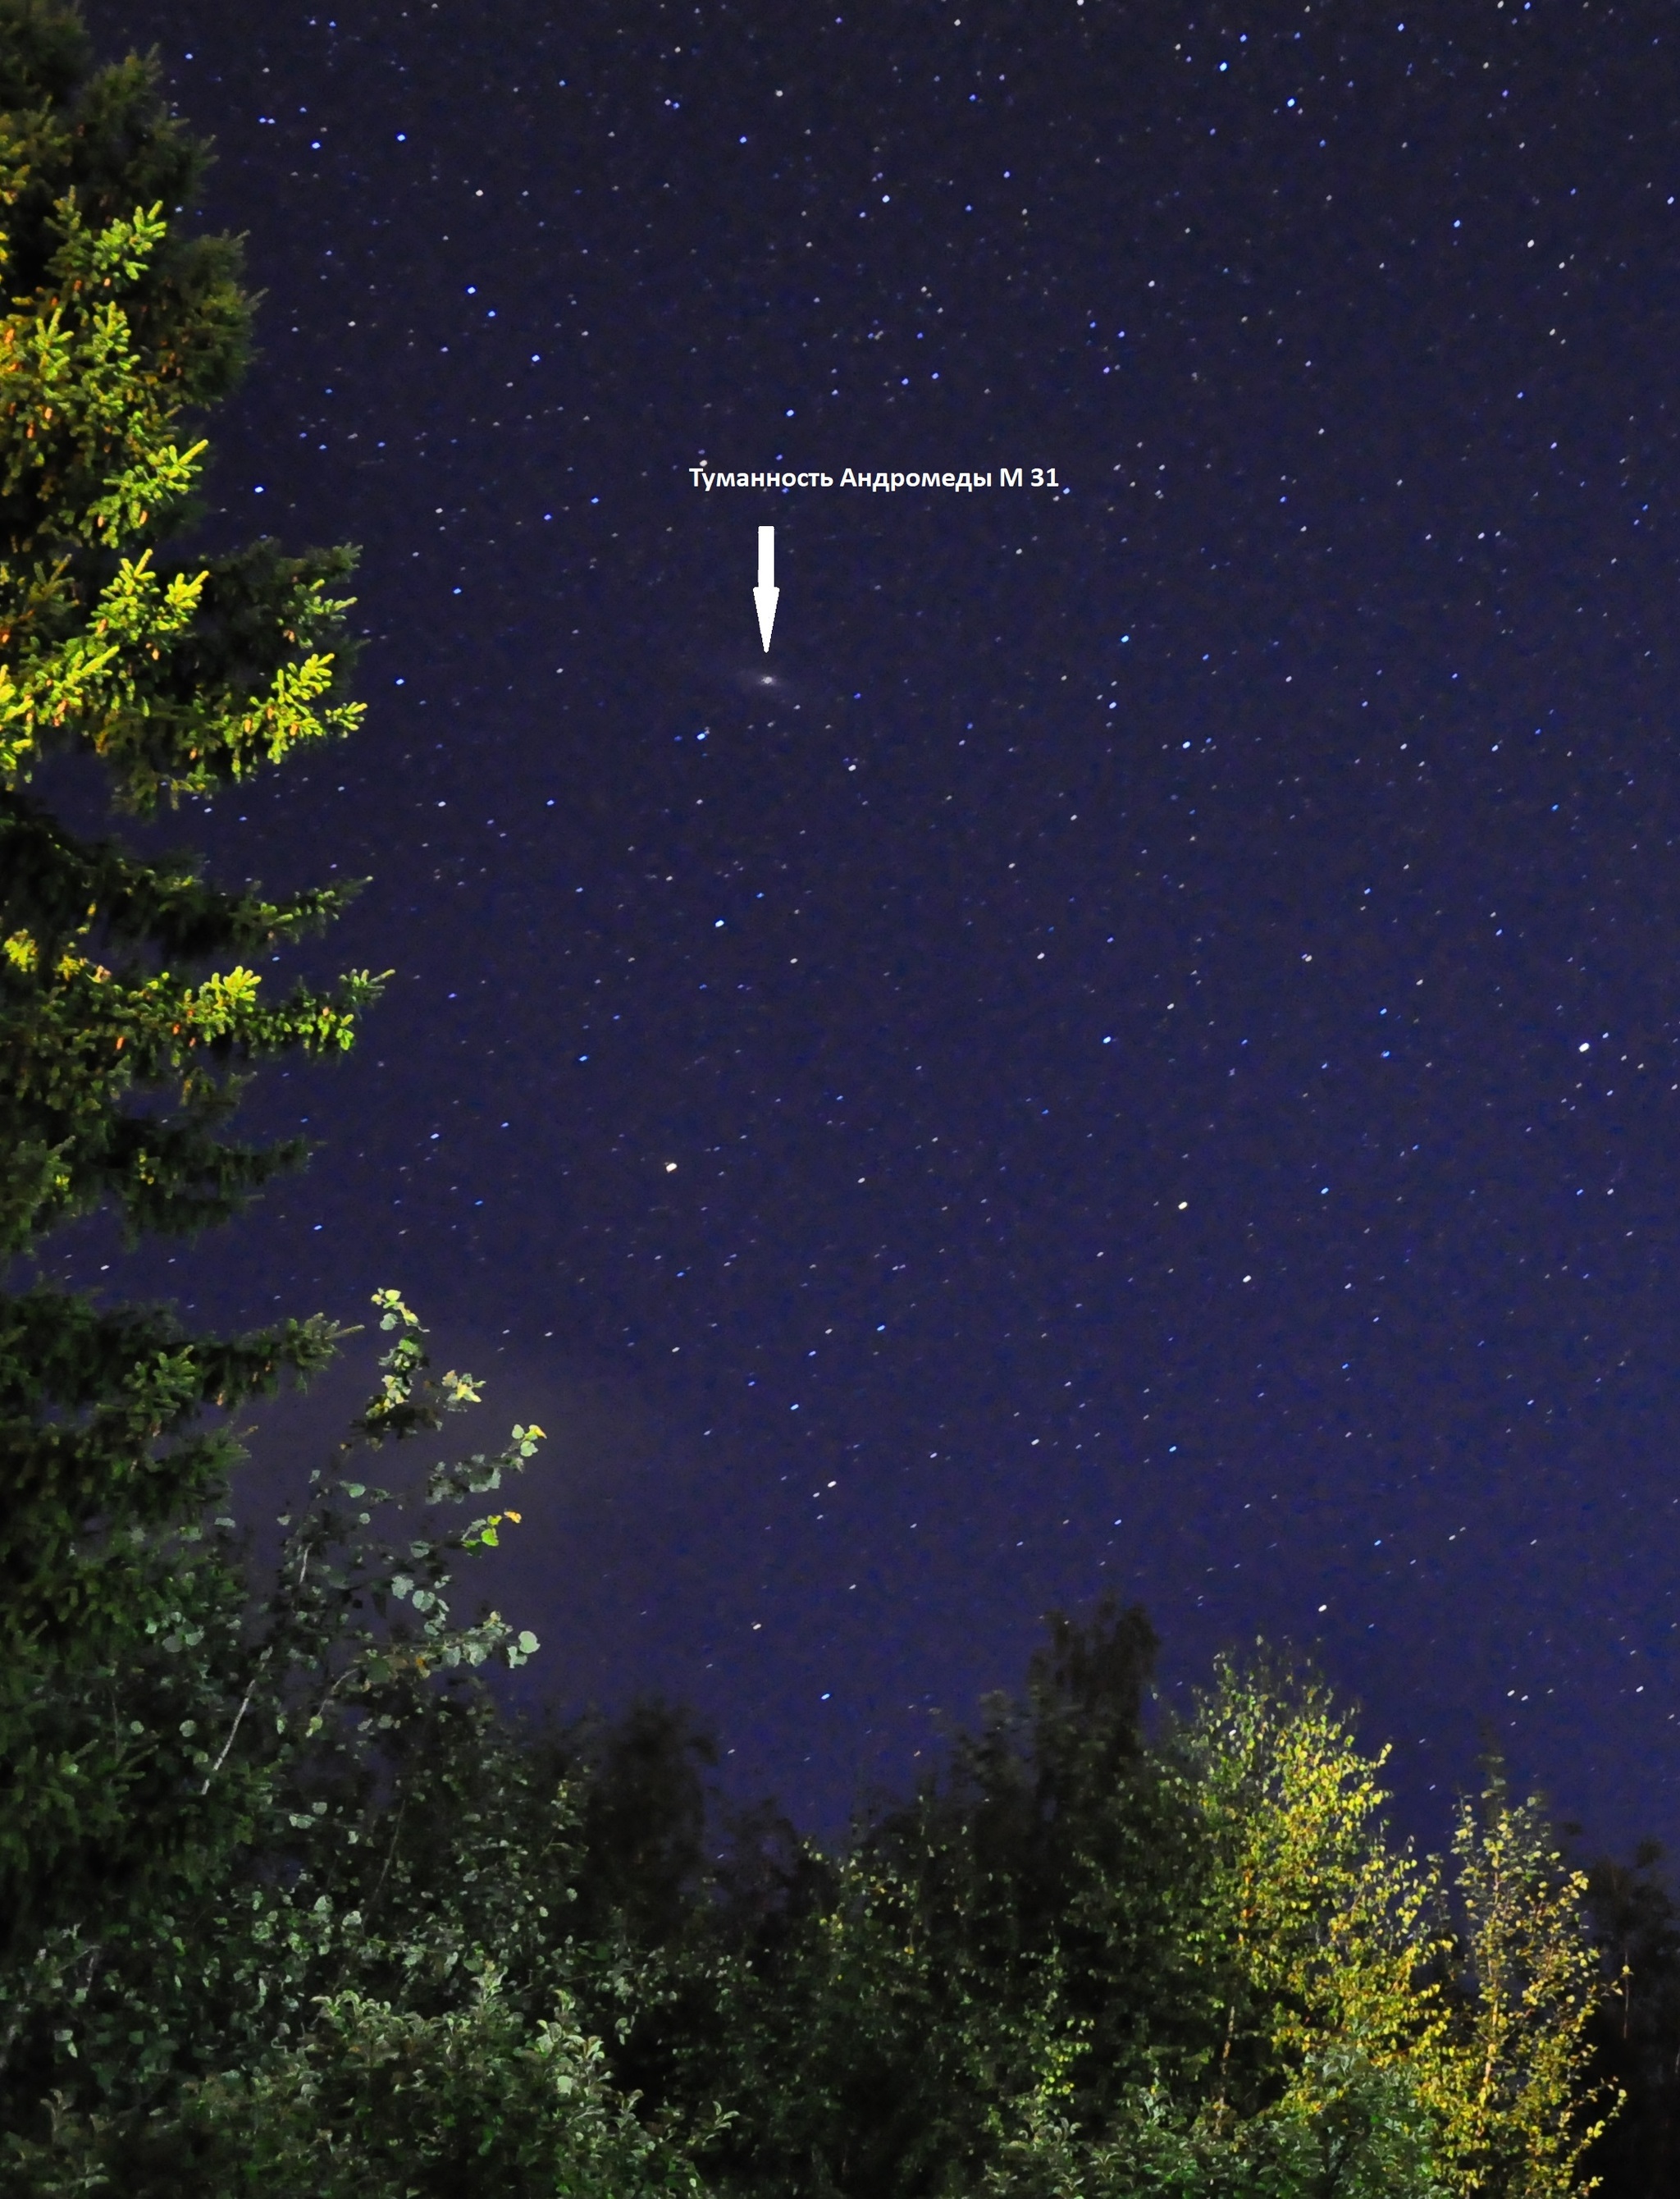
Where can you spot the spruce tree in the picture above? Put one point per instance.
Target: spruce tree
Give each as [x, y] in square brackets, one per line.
[128, 1009]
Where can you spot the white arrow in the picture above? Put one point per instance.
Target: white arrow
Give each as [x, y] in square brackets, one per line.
[766, 593]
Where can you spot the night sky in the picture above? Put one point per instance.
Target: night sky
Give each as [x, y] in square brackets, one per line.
[1138, 1046]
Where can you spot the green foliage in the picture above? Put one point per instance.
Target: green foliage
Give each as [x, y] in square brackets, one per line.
[337, 1965]
[1341, 1940]
[874, 2019]
[1330, 1935]
[128, 1013]
[1513, 2088]
[223, 1872]
[1083, 1963]
[121, 325]
[376, 2103]
[102, 1429]
[102, 1423]
[1351, 2132]
[178, 677]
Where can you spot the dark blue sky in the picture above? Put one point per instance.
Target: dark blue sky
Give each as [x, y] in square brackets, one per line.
[1149, 1055]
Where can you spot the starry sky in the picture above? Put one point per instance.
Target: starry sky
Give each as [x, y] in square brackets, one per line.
[1138, 1046]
